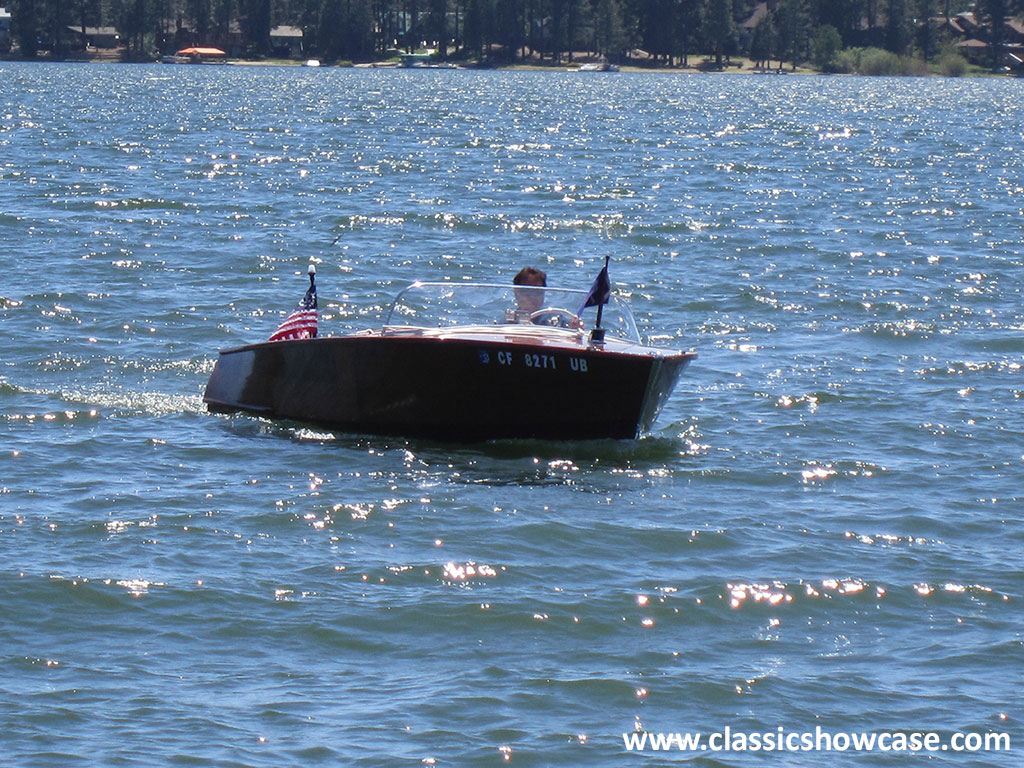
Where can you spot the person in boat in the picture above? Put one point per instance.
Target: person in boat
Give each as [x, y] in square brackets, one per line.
[530, 300]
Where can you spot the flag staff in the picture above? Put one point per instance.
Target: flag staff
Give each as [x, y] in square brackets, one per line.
[600, 307]
[301, 323]
[599, 294]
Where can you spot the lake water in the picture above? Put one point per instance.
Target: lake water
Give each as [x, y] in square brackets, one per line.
[824, 528]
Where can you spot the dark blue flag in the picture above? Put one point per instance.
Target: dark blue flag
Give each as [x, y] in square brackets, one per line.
[600, 291]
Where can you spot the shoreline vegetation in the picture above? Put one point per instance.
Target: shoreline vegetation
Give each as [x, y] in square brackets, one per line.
[856, 61]
[869, 37]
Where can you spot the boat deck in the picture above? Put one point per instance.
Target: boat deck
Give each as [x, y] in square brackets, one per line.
[534, 335]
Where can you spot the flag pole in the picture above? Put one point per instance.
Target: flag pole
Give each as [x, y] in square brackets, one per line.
[302, 322]
[600, 306]
[597, 333]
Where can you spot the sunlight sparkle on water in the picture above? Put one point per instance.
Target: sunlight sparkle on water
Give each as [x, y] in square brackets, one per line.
[843, 253]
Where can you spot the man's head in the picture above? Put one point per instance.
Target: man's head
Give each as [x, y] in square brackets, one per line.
[530, 299]
[530, 276]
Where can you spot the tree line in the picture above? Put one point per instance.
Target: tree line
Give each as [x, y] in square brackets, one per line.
[497, 32]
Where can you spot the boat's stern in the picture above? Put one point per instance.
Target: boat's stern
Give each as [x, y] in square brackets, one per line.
[233, 385]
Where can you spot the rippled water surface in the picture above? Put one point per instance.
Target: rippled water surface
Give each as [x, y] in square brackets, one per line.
[823, 529]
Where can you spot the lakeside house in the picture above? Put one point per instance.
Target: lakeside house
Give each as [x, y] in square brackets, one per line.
[973, 50]
[93, 37]
[757, 15]
[5, 31]
[285, 41]
[973, 42]
[967, 30]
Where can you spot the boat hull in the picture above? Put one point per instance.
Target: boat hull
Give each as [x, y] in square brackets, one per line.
[449, 389]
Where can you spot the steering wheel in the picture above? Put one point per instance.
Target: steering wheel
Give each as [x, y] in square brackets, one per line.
[556, 317]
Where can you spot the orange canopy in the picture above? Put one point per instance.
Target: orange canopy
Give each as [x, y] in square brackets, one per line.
[201, 52]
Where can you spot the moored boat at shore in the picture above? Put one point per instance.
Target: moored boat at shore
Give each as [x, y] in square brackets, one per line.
[597, 66]
[196, 55]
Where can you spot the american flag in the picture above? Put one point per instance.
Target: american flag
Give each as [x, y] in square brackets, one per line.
[300, 324]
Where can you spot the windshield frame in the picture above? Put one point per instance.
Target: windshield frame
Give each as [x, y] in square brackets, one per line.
[496, 305]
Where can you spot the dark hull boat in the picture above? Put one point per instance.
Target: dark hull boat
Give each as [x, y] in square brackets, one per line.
[455, 380]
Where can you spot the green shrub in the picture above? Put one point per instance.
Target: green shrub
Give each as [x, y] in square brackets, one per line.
[848, 61]
[878, 62]
[952, 64]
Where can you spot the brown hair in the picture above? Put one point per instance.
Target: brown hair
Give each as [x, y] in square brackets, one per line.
[530, 276]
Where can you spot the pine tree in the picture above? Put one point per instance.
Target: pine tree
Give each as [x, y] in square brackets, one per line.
[793, 32]
[260, 25]
[473, 29]
[57, 20]
[135, 20]
[690, 18]
[437, 26]
[718, 27]
[25, 21]
[926, 30]
[200, 12]
[763, 41]
[995, 12]
[897, 37]
[345, 29]
[224, 11]
[609, 33]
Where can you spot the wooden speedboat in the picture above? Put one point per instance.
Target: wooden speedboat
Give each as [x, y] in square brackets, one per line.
[462, 361]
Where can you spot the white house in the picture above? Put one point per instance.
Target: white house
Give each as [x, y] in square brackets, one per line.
[5, 30]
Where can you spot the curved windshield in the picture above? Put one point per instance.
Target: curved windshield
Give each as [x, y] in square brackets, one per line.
[443, 305]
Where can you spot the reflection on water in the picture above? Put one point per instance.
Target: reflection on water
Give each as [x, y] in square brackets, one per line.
[822, 519]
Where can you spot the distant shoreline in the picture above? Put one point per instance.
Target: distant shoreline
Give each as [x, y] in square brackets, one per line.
[703, 66]
[736, 66]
